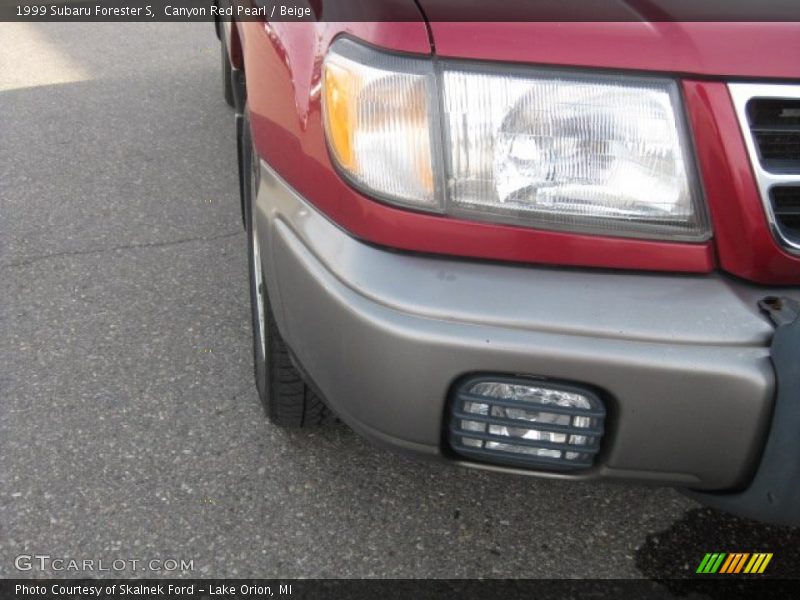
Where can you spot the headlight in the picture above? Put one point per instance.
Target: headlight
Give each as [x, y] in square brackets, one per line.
[378, 113]
[552, 149]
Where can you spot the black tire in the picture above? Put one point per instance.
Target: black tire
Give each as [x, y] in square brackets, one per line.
[227, 75]
[287, 399]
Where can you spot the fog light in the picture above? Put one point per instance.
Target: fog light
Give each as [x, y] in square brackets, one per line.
[526, 422]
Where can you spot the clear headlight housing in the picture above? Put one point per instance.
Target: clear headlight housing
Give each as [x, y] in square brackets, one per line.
[379, 114]
[551, 149]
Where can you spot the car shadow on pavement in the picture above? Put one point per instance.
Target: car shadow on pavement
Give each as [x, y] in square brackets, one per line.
[673, 555]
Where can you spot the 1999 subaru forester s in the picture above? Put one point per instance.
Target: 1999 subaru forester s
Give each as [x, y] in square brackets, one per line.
[559, 249]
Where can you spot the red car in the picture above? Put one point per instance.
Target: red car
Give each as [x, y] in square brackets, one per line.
[564, 249]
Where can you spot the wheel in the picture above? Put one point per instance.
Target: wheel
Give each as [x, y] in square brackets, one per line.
[227, 77]
[287, 399]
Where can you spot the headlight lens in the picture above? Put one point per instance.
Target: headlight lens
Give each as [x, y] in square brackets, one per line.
[378, 115]
[549, 149]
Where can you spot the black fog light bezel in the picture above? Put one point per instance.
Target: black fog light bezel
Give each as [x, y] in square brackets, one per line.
[455, 414]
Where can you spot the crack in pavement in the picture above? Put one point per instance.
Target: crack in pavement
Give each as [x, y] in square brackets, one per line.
[36, 259]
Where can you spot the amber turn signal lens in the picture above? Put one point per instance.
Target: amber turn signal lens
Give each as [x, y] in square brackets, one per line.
[338, 87]
[377, 112]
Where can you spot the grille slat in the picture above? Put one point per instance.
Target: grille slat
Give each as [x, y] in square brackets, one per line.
[593, 448]
[769, 115]
[498, 456]
[774, 112]
[776, 146]
[549, 427]
[508, 403]
[775, 123]
[786, 206]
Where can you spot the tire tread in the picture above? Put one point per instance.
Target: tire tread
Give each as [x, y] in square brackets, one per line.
[288, 400]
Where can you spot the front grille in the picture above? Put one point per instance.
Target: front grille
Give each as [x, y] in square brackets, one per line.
[769, 115]
[775, 123]
[526, 422]
[786, 206]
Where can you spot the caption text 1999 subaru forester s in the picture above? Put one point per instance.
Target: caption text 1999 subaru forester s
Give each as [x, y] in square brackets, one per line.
[559, 249]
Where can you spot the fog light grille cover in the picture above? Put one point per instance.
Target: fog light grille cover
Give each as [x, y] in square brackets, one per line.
[526, 422]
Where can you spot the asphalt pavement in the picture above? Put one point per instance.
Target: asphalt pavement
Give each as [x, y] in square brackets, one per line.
[129, 422]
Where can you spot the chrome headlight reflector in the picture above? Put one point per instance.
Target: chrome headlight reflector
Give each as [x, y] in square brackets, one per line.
[544, 148]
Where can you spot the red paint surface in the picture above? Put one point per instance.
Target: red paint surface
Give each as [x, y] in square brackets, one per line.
[745, 245]
[710, 49]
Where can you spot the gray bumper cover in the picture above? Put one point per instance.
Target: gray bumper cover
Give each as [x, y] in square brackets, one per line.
[686, 359]
[774, 491]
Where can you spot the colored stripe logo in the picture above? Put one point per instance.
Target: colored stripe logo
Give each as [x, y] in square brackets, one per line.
[733, 563]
